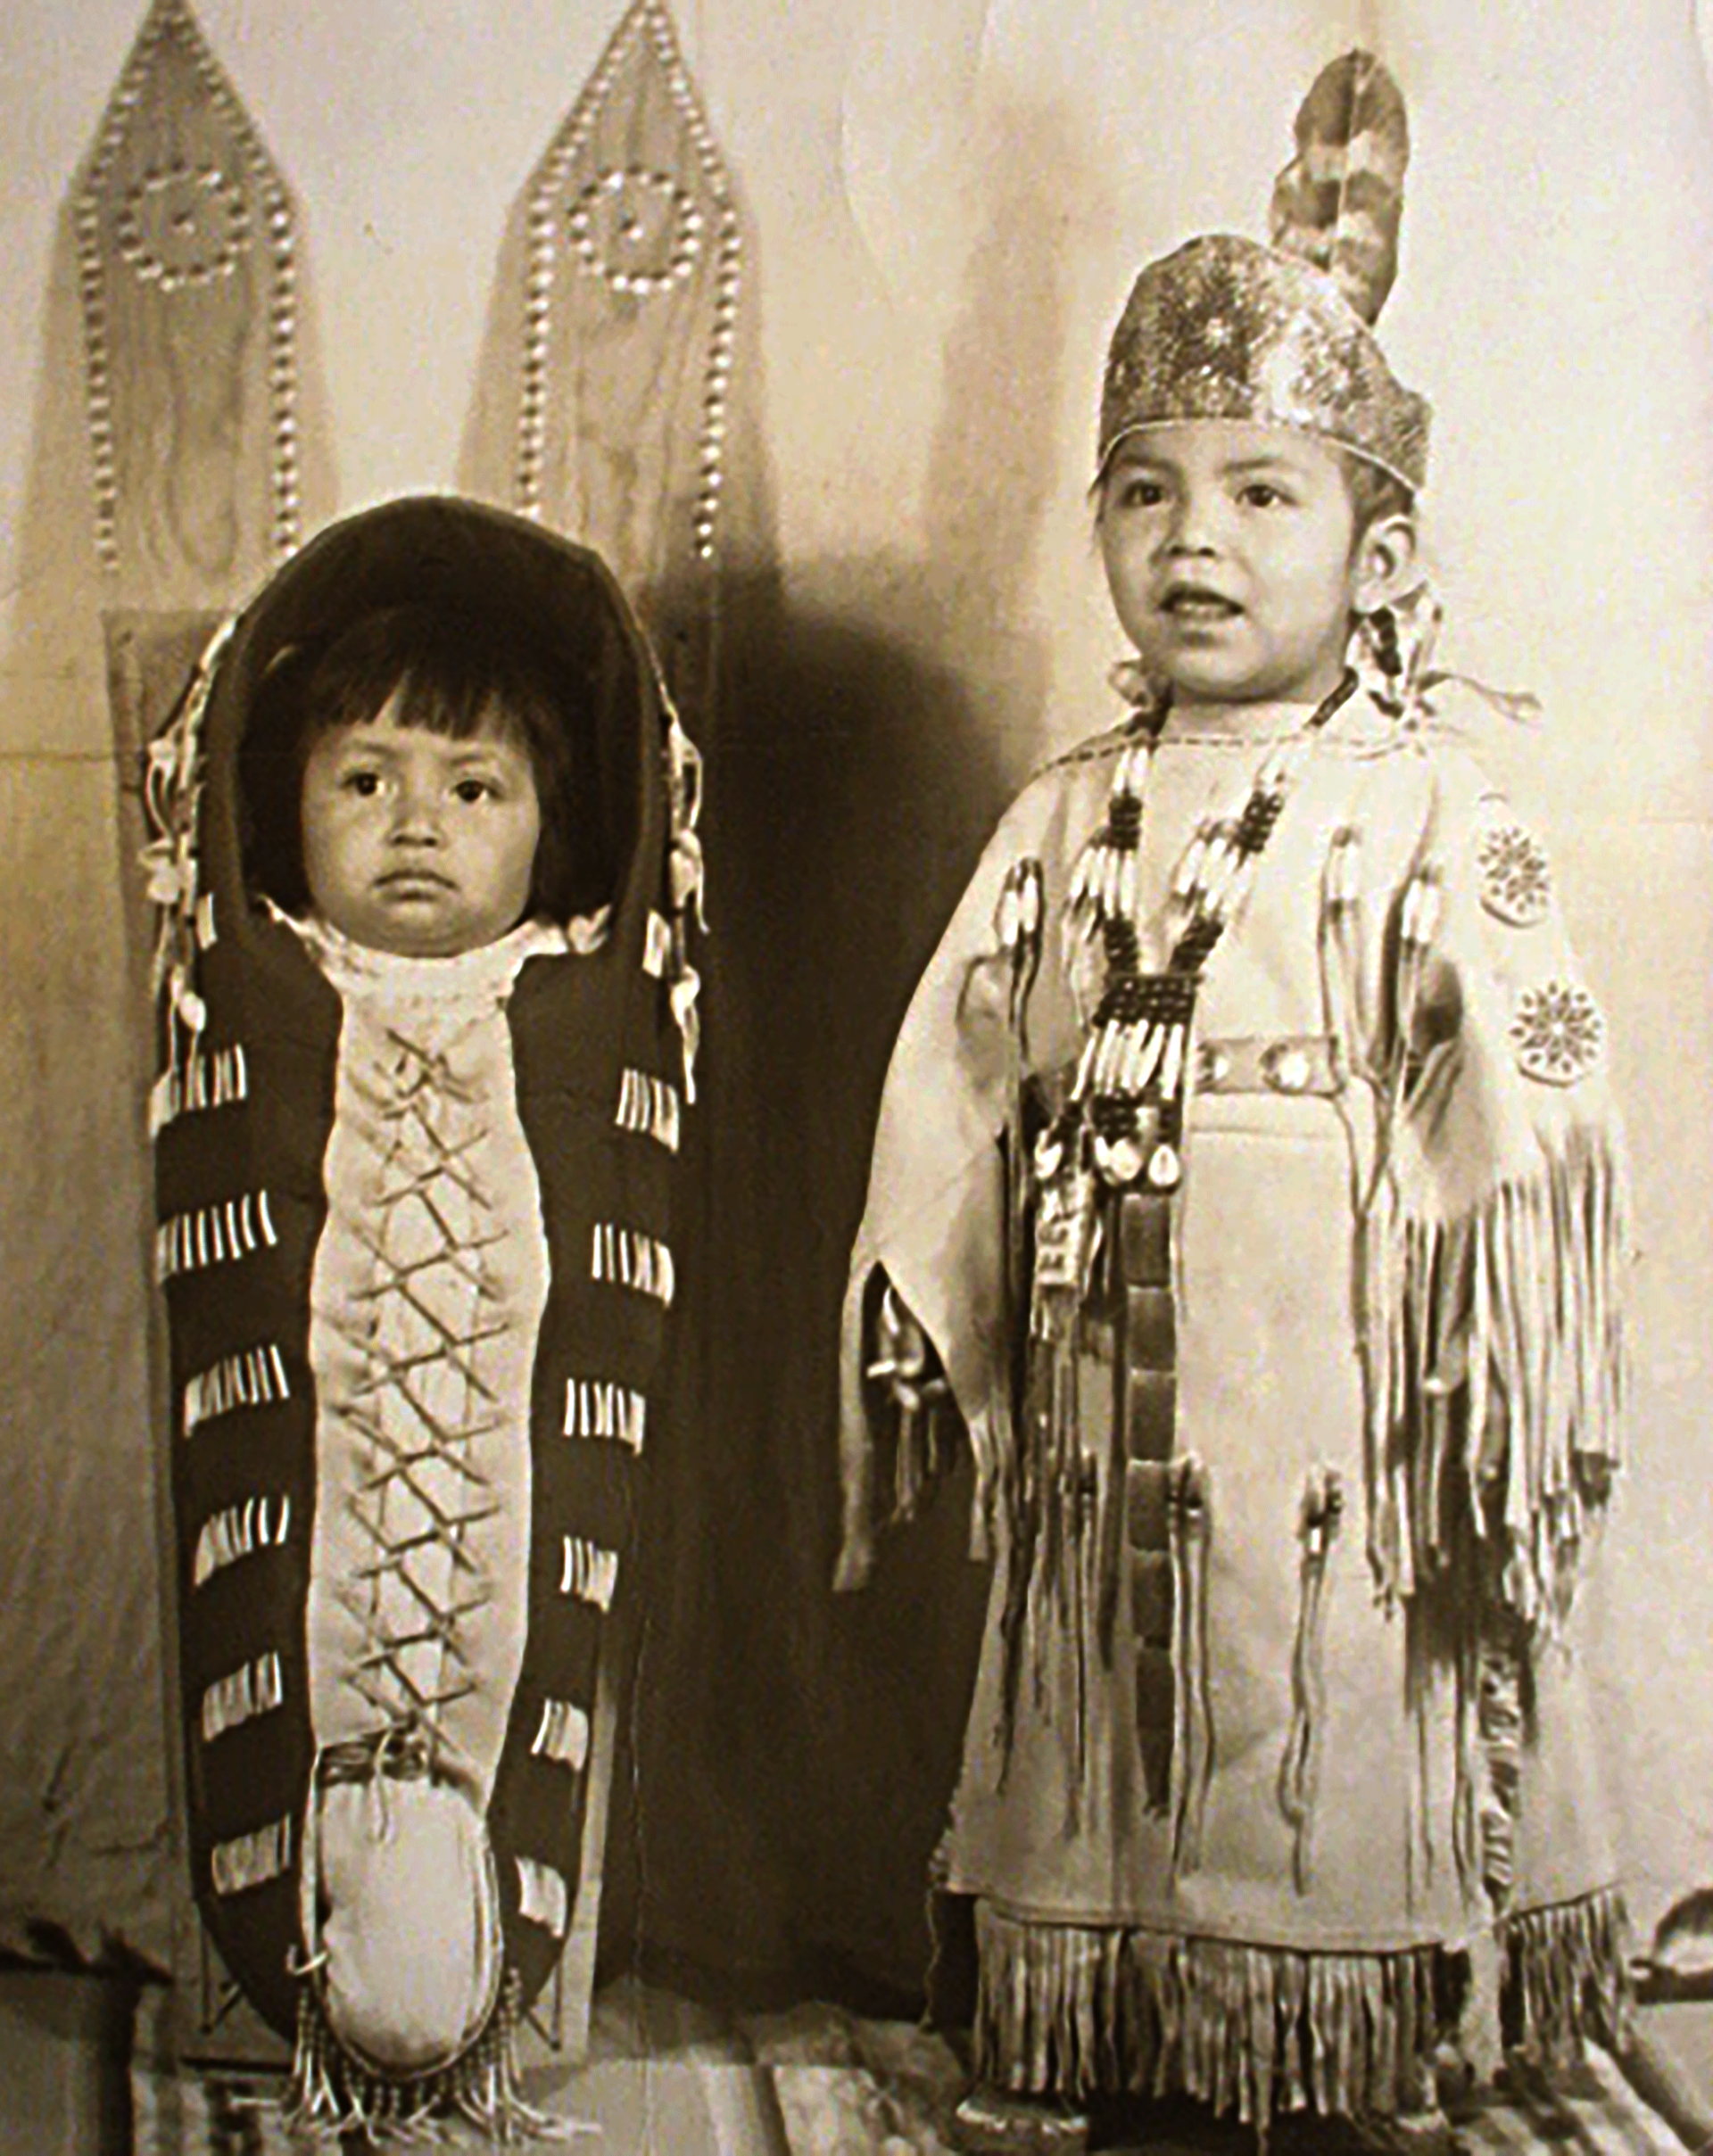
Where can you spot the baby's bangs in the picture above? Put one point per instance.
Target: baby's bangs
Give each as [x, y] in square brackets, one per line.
[458, 703]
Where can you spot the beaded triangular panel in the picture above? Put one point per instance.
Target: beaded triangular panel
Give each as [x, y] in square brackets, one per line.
[631, 271]
[188, 272]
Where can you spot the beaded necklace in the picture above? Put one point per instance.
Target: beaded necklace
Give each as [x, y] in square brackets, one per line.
[1128, 1095]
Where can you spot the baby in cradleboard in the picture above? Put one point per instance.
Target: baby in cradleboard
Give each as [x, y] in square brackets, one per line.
[429, 1028]
[1247, 1186]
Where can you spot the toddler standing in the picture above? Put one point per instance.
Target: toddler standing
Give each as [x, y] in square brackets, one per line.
[1246, 1183]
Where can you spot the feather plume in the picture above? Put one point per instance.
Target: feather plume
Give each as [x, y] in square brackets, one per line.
[1339, 201]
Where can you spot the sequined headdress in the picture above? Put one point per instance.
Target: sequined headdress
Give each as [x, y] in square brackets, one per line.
[1226, 328]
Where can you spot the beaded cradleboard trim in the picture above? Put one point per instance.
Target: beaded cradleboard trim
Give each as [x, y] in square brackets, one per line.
[631, 217]
[185, 240]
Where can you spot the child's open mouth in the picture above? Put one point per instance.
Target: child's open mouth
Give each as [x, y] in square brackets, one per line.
[1194, 603]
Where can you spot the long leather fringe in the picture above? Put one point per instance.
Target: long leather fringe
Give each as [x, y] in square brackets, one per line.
[1503, 1361]
[1251, 2030]
[332, 2095]
[1078, 2010]
[1567, 1974]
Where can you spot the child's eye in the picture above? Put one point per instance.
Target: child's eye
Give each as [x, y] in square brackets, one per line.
[1261, 494]
[1138, 493]
[473, 789]
[365, 783]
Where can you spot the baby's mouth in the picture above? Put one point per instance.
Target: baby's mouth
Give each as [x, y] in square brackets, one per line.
[406, 883]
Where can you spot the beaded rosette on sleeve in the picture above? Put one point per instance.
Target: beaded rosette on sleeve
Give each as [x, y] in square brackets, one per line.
[415, 1244]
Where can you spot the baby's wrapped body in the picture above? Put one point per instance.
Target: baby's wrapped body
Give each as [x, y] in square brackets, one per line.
[427, 1300]
[1278, 1739]
[415, 1237]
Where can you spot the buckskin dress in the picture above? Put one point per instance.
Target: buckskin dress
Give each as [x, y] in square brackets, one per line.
[1279, 1756]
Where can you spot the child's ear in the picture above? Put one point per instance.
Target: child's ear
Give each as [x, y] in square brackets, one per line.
[1385, 567]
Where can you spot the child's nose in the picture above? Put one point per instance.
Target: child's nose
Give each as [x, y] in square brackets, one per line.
[1193, 527]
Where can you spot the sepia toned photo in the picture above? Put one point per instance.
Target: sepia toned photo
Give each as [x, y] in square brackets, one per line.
[856, 1242]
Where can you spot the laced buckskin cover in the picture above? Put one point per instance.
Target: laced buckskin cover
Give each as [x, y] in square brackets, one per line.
[415, 1245]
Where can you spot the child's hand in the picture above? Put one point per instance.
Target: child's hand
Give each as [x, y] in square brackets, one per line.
[917, 1386]
[906, 1360]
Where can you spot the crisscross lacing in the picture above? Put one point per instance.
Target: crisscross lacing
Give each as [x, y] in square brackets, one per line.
[422, 1405]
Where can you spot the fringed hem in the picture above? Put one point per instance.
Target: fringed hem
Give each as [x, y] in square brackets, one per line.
[1566, 1976]
[1075, 2011]
[332, 2094]
[1503, 1388]
[1083, 2009]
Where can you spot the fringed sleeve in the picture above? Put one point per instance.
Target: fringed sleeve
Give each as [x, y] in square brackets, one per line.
[934, 1218]
[1498, 1272]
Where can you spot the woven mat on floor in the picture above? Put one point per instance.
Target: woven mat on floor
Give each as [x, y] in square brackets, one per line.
[820, 2082]
[847, 2086]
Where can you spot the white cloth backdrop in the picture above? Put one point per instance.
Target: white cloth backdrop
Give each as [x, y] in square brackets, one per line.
[948, 200]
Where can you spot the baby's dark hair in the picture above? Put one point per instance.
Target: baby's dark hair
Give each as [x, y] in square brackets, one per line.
[452, 673]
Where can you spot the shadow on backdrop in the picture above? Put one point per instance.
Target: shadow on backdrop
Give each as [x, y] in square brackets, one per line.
[792, 1753]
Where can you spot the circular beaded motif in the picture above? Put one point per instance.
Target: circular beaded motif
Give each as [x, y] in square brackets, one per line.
[1516, 876]
[638, 230]
[1557, 1032]
[183, 225]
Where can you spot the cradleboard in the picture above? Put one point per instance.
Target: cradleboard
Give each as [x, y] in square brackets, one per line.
[400, 1533]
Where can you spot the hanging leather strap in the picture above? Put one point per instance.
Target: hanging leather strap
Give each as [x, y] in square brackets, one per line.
[1148, 1414]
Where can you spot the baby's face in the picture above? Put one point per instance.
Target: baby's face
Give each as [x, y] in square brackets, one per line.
[416, 844]
[1229, 549]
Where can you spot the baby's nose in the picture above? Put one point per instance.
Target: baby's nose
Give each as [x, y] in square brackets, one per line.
[416, 821]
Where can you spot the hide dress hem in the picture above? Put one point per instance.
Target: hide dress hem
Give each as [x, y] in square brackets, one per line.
[1254, 2030]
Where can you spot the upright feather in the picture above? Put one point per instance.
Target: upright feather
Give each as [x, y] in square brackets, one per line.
[1339, 201]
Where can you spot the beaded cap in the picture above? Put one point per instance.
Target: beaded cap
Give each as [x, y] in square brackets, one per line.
[1225, 328]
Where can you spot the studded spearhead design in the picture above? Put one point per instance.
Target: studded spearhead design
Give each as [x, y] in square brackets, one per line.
[631, 295]
[187, 271]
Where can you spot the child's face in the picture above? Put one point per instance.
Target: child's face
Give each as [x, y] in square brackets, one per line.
[417, 844]
[1229, 550]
